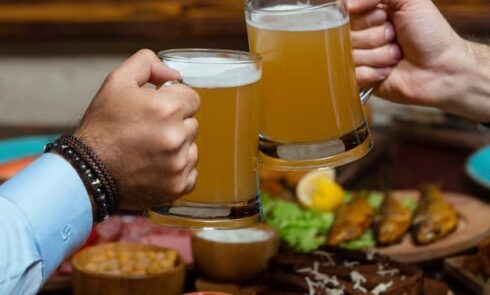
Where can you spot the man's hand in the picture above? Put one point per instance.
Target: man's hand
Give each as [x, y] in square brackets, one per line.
[373, 39]
[436, 66]
[144, 136]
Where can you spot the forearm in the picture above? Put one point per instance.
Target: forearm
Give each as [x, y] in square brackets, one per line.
[48, 204]
[470, 95]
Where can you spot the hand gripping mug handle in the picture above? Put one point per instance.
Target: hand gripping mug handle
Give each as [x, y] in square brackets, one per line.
[365, 94]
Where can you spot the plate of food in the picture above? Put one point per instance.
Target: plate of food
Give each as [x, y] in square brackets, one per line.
[335, 271]
[409, 226]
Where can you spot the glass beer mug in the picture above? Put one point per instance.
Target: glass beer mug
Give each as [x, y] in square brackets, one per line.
[312, 115]
[226, 193]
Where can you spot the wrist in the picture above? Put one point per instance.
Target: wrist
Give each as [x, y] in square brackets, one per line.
[89, 194]
[467, 84]
[97, 180]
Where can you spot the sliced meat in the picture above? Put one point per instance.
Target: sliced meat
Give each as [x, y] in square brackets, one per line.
[110, 230]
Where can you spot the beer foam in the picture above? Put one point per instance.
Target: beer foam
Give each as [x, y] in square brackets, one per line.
[244, 235]
[215, 72]
[299, 17]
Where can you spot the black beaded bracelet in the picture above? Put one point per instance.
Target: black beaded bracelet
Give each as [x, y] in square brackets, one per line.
[96, 178]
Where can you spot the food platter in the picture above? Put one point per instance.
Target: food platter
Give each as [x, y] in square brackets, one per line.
[473, 227]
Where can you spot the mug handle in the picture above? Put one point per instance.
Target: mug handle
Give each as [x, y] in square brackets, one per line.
[365, 94]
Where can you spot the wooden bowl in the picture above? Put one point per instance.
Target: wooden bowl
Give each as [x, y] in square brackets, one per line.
[168, 282]
[233, 261]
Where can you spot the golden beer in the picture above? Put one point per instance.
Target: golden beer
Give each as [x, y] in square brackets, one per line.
[226, 192]
[311, 111]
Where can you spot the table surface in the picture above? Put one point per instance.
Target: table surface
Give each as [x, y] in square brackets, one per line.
[396, 162]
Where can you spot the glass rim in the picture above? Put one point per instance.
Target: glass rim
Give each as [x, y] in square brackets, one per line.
[252, 57]
[294, 10]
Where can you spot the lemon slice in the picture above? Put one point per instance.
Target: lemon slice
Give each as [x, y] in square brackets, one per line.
[318, 190]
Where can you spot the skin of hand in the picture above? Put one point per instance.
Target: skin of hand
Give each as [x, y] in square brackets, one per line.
[436, 66]
[144, 136]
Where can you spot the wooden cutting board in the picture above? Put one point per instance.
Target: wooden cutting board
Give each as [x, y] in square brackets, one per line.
[474, 226]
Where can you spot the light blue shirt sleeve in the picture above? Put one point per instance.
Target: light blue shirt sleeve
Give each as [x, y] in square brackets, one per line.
[45, 215]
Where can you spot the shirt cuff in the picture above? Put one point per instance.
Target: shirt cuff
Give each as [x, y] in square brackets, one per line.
[54, 201]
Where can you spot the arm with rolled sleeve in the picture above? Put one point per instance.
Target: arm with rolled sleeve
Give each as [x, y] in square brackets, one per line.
[45, 215]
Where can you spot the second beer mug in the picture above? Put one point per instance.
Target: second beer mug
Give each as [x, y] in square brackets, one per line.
[311, 111]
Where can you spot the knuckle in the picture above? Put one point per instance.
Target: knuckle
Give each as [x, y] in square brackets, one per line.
[193, 125]
[172, 140]
[146, 53]
[190, 95]
[193, 154]
[178, 186]
[169, 108]
[178, 164]
[112, 78]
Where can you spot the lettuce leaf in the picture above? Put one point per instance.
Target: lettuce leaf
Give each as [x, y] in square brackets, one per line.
[367, 240]
[300, 229]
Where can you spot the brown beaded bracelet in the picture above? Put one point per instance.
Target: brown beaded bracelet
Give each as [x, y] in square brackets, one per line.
[96, 178]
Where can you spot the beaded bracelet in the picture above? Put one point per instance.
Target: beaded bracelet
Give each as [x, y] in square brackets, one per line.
[96, 178]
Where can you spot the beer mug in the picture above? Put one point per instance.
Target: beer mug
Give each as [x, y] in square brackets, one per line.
[226, 193]
[312, 114]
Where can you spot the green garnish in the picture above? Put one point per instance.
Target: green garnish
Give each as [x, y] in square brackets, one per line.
[302, 230]
[409, 203]
[365, 241]
[348, 197]
[375, 199]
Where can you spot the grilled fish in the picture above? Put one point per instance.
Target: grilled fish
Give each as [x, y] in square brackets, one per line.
[394, 221]
[435, 218]
[351, 220]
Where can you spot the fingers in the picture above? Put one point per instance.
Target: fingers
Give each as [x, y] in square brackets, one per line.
[180, 99]
[191, 126]
[367, 76]
[380, 57]
[141, 68]
[183, 178]
[373, 37]
[371, 18]
[357, 6]
[192, 175]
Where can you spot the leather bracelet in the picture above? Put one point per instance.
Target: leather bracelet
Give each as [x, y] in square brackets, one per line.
[96, 178]
[97, 166]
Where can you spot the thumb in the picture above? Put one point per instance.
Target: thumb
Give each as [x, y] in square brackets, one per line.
[143, 67]
[359, 6]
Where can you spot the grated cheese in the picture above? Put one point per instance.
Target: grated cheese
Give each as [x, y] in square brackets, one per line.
[334, 291]
[306, 269]
[357, 278]
[351, 263]
[327, 255]
[388, 272]
[382, 287]
[311, 286]
[370, 255]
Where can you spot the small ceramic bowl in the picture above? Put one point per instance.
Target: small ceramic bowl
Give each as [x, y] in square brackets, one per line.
[234, 255]
[168, 281]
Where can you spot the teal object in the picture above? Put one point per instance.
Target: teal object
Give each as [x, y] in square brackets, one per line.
[21, 147]
[478, 167]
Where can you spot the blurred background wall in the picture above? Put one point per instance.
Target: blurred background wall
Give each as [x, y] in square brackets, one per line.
[55, 53]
